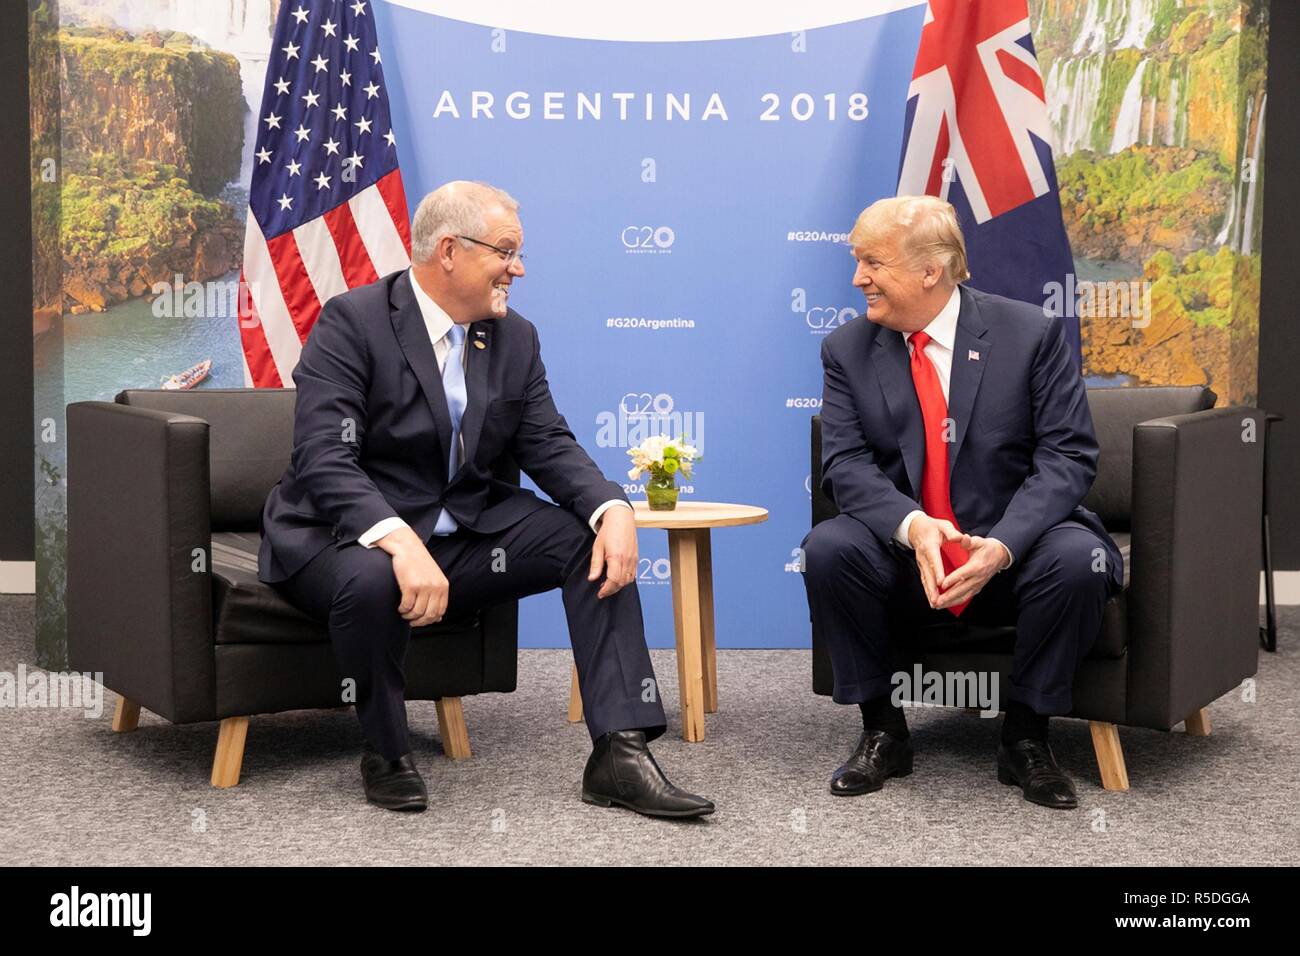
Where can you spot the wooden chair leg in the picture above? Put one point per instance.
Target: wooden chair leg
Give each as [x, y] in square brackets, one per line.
[1198, 724]
[451, 724]
[230, 752]
[126, 717]
[575, 698]
[1110, 756]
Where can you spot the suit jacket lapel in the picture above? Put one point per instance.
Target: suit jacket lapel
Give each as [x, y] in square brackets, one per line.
[476, 383]
[413, 337]
[893, 369]
[970, 354]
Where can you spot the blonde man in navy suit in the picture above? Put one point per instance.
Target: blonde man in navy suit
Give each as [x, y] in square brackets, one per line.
[957, 444]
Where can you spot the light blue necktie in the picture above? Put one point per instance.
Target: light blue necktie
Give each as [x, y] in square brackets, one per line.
[453, 386]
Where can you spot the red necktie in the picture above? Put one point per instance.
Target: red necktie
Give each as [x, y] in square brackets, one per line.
[934, 477]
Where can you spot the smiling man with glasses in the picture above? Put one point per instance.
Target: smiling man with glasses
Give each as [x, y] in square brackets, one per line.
[508, 256]
[400, 522]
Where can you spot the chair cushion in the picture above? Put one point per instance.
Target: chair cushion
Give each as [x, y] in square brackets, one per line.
[1124, 541]
[246, 611]
[976, 638]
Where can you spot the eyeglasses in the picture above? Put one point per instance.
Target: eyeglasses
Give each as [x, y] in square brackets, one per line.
[511, 256]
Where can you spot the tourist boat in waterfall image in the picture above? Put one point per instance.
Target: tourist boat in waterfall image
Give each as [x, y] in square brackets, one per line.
[188, 378]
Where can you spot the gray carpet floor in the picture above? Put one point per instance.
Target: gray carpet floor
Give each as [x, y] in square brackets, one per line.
[73, 792]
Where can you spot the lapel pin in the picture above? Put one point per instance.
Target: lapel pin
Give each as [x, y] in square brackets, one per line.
[972, 356]
[479, 343]
[480, 333]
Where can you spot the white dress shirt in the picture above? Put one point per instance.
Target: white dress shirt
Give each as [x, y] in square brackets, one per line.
[439, 323]
[943, 335]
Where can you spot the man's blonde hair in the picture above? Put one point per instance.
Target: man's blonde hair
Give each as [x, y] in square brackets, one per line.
[926, 228]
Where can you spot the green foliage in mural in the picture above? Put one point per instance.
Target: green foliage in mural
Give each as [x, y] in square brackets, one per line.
[114, 207]
[1179, 189]
[1204, 286]
[154, 97]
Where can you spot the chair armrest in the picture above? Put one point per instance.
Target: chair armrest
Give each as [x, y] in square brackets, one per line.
[822, 506]
[1195, 561]
[138, 508]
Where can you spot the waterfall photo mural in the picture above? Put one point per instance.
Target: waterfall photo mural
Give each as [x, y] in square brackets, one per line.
[1158, 110]
[144, 118]
[145, 110]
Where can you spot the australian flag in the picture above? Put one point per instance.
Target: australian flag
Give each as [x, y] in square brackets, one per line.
[977, 134]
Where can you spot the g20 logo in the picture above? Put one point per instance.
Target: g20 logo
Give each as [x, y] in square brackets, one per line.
[819, 318]
[648, 238]
[657, 571]
[643, 404]
[828, 317]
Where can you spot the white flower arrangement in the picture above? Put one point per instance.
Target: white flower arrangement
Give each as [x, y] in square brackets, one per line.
[662, 457]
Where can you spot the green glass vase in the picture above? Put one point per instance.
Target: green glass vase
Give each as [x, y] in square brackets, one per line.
[661, 492]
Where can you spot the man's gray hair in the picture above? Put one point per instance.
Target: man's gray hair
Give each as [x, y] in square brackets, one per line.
[454, 209]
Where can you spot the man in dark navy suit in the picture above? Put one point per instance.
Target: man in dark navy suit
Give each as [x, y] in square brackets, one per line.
[957, 445]
[388, 516]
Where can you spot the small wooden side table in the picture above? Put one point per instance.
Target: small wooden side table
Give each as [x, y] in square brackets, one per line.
[690, 557]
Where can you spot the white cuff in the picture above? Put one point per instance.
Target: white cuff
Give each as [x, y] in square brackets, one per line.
[377, 531]
[594, 521]
[900, 533]
[1011, 558]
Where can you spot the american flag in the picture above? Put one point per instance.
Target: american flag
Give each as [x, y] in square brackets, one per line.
[977, 134]
[326, 208]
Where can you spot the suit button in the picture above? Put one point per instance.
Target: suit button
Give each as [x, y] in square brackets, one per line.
[335, 531]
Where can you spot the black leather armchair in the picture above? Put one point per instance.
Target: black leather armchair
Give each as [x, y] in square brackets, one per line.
[164, 493]
[1179, 487]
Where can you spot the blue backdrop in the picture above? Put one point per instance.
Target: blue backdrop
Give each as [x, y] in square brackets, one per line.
[683, 264]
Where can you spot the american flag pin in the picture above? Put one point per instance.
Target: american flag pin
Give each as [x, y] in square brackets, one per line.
[972, 356]
[480, 333]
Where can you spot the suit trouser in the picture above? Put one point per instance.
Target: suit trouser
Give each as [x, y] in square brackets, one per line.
[353, 590]
[1054, 595]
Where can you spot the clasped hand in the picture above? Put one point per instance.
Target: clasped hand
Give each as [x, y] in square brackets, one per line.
[987, 557]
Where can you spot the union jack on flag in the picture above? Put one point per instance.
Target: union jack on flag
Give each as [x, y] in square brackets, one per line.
[326, 207]
[977, 134]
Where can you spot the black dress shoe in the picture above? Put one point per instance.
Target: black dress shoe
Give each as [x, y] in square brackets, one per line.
[621, 770]
[1031, 766]
[393, 784]
[878, 757]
